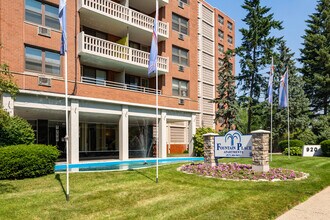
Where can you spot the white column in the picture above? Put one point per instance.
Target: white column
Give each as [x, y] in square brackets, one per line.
[123, 134]
[191, 133]
[74, 132]
[8, 103]
[162, 135]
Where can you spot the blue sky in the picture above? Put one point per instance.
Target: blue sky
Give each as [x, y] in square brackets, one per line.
[293, 13]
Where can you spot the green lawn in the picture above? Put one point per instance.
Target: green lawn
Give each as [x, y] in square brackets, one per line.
[135, 195]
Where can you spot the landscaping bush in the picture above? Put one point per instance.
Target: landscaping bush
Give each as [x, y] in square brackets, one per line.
[14, 130]
[325, 146]
[294, 151]
[27, 161]
[199, 140]
[307, 136]
[293, 143]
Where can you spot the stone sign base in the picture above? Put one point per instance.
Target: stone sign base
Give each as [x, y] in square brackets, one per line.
[260, 168]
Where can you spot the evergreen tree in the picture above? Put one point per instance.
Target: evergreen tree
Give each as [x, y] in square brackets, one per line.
[256, 50]
[298, 101]
[226, 100]
[315, 57]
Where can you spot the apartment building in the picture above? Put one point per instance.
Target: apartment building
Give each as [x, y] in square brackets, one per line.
[111, 99]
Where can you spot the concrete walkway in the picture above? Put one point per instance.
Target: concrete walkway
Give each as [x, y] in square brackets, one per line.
[317, 208]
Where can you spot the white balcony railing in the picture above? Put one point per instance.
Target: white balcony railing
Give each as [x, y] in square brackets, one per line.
[118, 52]
[125, 14]
[117, 85]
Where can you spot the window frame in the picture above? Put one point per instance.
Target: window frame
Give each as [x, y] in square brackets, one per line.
[222, 35]
[43, 61]
[180, 25]
[223, 48]
[221, 19]
[230, 39]
[180, 56]
[180, 90]
[229, 25]
[43, 14]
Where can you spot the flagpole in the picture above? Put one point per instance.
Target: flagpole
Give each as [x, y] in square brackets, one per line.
[66, 127]
[157, 130]
[271, 115]
[287, 92]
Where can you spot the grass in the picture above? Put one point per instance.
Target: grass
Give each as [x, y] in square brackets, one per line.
[135, 195]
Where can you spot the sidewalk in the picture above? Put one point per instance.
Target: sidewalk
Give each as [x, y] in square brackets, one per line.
[317, 208]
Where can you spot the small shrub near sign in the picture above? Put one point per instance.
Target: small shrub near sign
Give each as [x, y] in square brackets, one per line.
[199, 140]
[325, 146]
[27, 161]
[293, 143]
[294, 151]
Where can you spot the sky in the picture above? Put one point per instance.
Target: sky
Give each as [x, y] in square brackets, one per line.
[293, 13]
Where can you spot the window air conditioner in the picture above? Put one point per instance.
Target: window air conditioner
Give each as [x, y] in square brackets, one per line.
[44, 81]
[181, 68]
[181, 36]
[181, 4]
[181, 101]
[43, 31]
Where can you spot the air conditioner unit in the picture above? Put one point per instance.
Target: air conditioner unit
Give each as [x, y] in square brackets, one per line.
[181, 4]
[181, 68]
[181, 36]
[44, 81]
[43, 31]
[181, 101]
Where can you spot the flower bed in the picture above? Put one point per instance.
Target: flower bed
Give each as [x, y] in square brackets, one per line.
[234, 171]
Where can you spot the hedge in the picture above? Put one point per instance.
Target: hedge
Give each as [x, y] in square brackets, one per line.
[294, 151]
[199, 140]
[293, 143]
[27, 161]
[325, 146]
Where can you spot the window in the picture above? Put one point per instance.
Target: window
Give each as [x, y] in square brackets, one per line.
[42, 14]
[95, 33]
[230, 26]
[220, 48]
[230, 39]
[220, 62]
[220, 19]
[93, 75]
[184, 1]
[43, 61]
[220, 33]
[179, 56]
[180, 24]
[179, 87]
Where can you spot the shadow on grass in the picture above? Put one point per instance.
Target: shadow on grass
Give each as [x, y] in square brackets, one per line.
[7, 188]
[58, 178]
[143, 174]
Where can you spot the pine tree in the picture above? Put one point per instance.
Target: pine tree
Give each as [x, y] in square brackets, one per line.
[298, 101]
[226, 100]
[315, 57]
[256, 50]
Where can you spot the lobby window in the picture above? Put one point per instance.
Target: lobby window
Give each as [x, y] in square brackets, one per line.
[180, 56]
[179, 88]
[230, 39]
[230, 26]
[221, 48]
[220, 19]
[42, 61]
[42, 14]
[180, 24]
[220, 33]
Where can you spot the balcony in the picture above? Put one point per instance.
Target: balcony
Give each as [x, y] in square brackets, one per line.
[117, 19]
[105, 54]
[118, 85]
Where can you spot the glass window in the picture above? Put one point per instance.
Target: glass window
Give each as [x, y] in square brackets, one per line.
[180, 24]
[43, 61]
[220, 62]
[184, 1]
[179, 88]
[180, 56]
[220, 33]
[230, 39]
[220, 19]
[220, 48]
[42, 14]
[230, 26]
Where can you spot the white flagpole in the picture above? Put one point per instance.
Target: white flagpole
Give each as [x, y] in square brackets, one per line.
[271, 114]
[66, 127]
[157, 129]
[287, 92]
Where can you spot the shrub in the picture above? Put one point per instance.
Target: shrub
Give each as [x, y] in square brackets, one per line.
[27, 161]
[199, 140]
[293, 143]
[14, 130]
[325, 146]
[307, 136]
[294, 151]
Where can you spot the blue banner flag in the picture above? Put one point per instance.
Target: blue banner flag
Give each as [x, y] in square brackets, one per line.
[152, 65]
[270, 84]
[284, 91]
[62, 18]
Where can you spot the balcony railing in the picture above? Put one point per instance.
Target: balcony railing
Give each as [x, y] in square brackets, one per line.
[117, 85]
[118, 52]
[125, 14]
